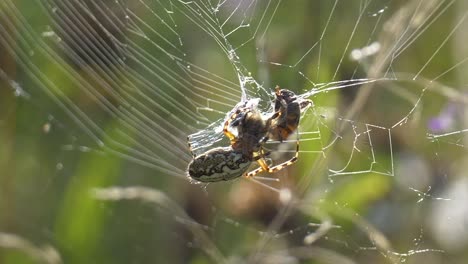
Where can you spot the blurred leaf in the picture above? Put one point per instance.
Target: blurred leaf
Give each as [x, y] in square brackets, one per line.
[81, 222]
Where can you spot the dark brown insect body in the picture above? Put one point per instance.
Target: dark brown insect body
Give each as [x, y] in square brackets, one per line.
[288, 108]
[251, 132]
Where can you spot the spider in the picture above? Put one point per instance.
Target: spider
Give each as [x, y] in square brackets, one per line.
[226, 163]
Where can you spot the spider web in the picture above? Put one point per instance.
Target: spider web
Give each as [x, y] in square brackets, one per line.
[112, 90]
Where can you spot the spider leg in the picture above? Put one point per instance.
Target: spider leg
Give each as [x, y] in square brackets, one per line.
[288, 162]
[276, 167]
[263, 167]
[228, 122]
[259, 157]
[254, 172]
[226, 125]
[264, 154]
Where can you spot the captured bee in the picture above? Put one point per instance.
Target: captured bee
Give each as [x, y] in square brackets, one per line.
[287, 114]
[226, 163]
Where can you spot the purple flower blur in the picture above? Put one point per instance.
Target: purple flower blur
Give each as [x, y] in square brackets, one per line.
[444, 121]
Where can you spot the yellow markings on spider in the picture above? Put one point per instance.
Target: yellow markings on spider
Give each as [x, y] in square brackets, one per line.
[253, 131]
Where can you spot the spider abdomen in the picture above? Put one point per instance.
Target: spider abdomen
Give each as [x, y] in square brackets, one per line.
[218, 164]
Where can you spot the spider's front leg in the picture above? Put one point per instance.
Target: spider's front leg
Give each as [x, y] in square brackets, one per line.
[235, 120]
[264, 166]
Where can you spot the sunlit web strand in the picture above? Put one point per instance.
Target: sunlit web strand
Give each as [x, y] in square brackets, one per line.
[48, 85]
[133, 118]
